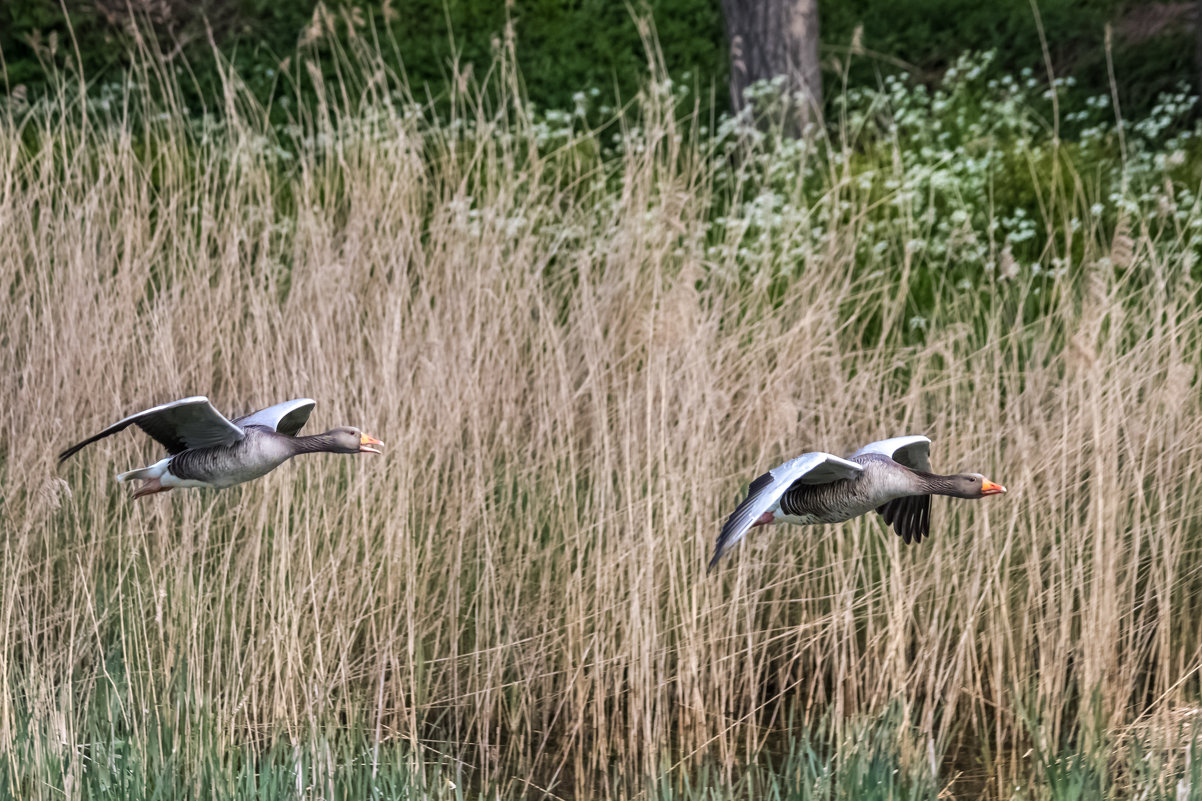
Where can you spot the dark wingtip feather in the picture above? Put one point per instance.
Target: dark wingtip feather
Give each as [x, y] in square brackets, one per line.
[912, 521]
[910, 517]
[921, 504]
[907, 521]
[723, 538]
[728, 527]
[108, 432]
[74, 449]
[757, 485]
[718, 548]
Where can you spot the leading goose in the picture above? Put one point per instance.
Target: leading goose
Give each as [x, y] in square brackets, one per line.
[208, 450]
[892, 476]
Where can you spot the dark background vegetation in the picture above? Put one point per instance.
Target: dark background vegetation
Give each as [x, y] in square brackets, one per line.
[565, 46]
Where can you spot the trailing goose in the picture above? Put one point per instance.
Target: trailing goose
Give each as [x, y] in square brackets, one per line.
[208, 450]
[892, 476]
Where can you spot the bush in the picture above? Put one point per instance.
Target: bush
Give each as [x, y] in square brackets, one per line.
[568, 45]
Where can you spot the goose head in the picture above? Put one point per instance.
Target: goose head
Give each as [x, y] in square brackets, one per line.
[348, 439]
[973, 485]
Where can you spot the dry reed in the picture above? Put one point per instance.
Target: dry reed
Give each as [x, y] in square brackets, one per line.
[573, 393]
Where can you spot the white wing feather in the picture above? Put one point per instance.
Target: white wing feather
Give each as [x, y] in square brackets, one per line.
[913, 451]
[287, 417]
[765, 492]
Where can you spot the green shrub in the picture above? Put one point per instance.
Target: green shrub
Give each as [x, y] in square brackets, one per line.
[565, 46]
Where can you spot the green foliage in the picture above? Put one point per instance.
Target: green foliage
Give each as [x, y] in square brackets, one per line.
[255, 35]
[565, 46]
[1150, 56]
[156, 759]
[966, 184]
[568, 45]
[35, 34]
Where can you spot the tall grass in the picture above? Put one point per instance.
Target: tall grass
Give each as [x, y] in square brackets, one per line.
[576, 363]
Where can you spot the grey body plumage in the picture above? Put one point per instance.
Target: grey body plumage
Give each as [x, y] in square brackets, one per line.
[891, 477]
[259, 452]
[208, 450]
[846, 498]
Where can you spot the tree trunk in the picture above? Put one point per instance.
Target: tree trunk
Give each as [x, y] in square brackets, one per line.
[776, 37]
[1198, 43]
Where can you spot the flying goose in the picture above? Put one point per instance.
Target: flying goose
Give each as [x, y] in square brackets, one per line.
[892, 476]
[207, 450]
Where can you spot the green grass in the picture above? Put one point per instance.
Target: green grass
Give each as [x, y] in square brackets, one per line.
[867, 759]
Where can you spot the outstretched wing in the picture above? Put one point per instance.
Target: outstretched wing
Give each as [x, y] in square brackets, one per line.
[913, 451]
[765, 492]
[178, 426]
[909, 516]
[288, 417]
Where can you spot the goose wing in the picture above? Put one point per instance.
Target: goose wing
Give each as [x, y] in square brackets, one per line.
[913, 451]
[178, 426]
[909, 516]
[765, 492]
[288, 417]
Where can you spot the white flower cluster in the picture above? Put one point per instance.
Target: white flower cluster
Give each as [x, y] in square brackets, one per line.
[957, 179]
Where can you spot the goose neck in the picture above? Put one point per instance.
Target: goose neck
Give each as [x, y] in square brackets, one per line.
[314, 443]
[935, 484]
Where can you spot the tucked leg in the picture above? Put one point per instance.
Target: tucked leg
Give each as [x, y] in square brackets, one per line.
[150, 487]
[766, 519]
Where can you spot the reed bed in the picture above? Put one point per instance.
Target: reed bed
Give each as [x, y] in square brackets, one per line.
[576, 367]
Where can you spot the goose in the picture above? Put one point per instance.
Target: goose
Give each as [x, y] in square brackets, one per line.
[892, 476]
[208, 450]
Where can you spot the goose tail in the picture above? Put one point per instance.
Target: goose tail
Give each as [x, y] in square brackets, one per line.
[156, 470]
[132, 475]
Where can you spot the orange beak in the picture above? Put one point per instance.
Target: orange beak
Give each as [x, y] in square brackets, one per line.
[989, 488]
[368, 443]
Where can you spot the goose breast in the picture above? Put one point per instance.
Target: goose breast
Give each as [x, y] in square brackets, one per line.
[260, 452]
[882, 480]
